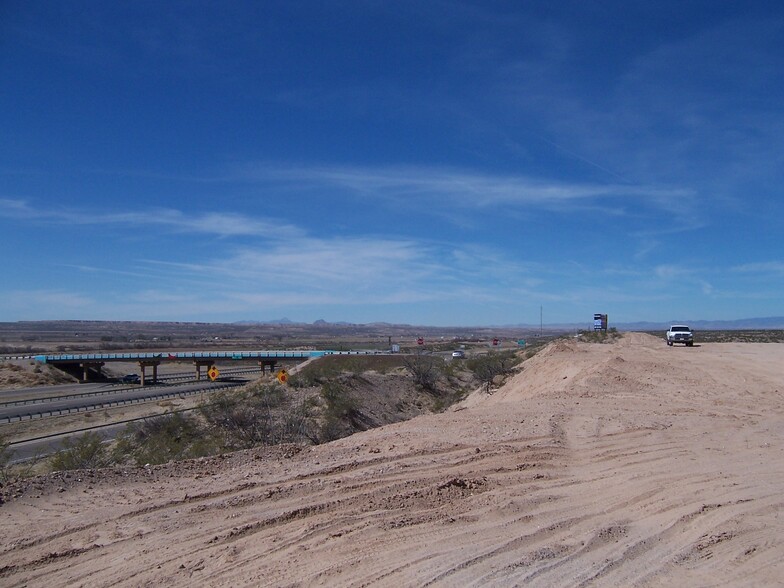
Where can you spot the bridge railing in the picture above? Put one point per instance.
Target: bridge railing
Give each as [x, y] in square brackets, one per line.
[179, 355]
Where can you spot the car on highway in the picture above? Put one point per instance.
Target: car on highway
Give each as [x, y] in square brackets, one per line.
[131, 379]
[458, 354]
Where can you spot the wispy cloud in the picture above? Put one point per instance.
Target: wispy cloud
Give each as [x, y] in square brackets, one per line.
[775, 268]
[18, 209]
[364, 271]
[222, 224]
[468, 190]
[45, 300]
[348, 264]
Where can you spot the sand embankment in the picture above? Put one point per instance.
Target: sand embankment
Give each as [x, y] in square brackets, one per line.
[632, 464]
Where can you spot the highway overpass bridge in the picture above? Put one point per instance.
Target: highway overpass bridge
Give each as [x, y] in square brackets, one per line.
[86, 364]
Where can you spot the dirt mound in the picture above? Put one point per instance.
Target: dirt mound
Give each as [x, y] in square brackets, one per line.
[629, 463]
[24, 374]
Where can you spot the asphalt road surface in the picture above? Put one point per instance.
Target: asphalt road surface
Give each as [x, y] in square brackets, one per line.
[104, 399]
[35, 448]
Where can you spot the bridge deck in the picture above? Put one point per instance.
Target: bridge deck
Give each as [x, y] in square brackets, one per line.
[188, 355]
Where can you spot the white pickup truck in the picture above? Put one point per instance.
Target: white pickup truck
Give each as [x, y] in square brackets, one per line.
[680, 334]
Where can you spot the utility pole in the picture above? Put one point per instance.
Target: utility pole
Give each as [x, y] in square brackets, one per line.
[541, 322]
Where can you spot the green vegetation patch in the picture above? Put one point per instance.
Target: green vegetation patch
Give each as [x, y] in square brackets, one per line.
[84, 452]
[161, 439]
[331, 366]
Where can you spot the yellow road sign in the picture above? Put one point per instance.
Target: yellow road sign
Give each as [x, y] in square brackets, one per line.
[283, 376]
[213, 373]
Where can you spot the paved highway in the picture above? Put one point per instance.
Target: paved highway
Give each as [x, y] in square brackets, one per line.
[46, 393]
[46, 445]
[12, 412]
[38, 448]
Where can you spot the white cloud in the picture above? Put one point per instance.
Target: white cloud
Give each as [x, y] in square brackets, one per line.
[17, 209]
[38, 302]
[223, 224]
[451, 188]
[775, 268]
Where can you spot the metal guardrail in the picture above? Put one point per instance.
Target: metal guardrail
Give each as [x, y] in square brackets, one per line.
[160, 396]
[125, 388]
[185, 377]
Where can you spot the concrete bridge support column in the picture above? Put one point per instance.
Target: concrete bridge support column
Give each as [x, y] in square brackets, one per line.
[154, 365]
[200, 364]
[96, 365]
[267, 362]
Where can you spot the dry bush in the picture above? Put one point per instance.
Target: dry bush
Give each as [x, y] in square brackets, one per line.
[161, 439]
[490, 365]
[84, 452]
[264, 415]
[5, 459]
[425, 369]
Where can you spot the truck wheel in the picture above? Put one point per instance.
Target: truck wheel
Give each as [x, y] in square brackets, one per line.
[669, 343]
[690, 344]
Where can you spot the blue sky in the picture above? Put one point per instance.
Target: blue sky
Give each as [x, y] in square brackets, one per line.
[435, 163]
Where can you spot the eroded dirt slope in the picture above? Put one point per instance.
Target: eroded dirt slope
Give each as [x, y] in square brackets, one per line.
[631, 464]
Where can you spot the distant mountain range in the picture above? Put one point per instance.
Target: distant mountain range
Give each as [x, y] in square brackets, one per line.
[771, 322]
[774, 322]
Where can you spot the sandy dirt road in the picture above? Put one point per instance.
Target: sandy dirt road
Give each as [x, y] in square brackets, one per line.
[631, 464]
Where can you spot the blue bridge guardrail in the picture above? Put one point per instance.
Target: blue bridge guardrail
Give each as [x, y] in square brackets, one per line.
[179, 355]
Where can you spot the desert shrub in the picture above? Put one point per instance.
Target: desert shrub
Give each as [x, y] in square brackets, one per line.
[339, 402]
[339, 406]
[24, 469]
[425, 369]
[161, 439]
[490, 365]
[261, 416]
[447, 399]
[5, 459]
[297, 423]
[81, 453]
[332, 366]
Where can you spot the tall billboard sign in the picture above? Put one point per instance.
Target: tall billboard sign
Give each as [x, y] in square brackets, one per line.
[600, 322]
